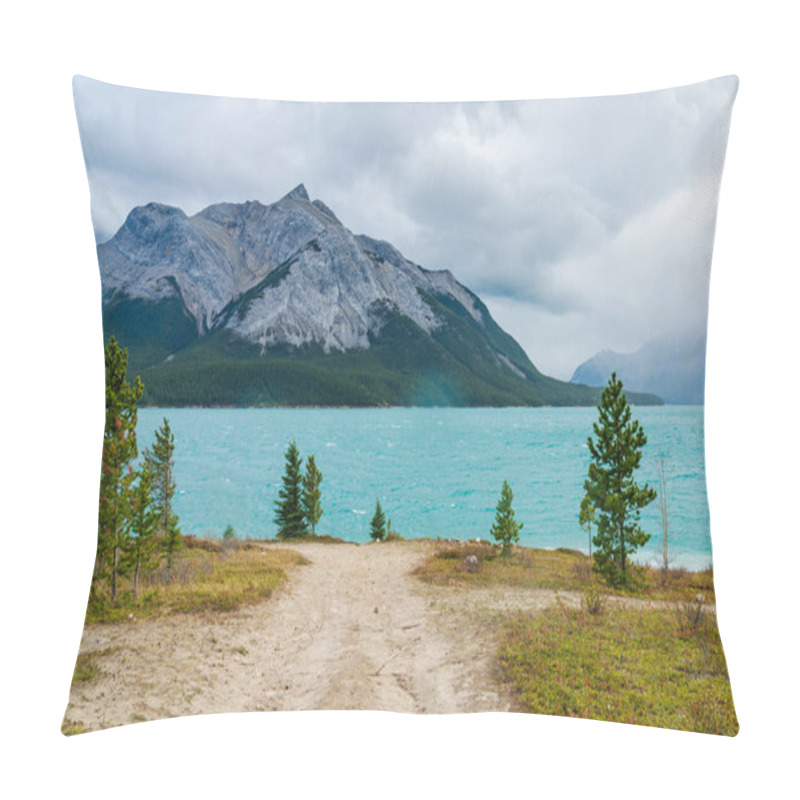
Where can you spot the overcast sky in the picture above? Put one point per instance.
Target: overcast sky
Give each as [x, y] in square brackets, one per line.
[582, 224]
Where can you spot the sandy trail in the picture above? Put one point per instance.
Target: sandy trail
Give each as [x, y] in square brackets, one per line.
[351, 630]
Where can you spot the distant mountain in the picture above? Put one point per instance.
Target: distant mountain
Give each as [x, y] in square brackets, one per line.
[251, 304]
[673, 370]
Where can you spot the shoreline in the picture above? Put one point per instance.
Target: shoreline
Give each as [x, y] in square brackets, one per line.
[650, 563]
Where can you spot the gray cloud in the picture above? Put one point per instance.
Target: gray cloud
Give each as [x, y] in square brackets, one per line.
[584, 224]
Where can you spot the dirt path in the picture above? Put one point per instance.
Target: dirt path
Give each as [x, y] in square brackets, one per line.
[351, 630]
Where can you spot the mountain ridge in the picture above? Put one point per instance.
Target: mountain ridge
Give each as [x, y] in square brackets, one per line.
[673, 368]
[261, 301]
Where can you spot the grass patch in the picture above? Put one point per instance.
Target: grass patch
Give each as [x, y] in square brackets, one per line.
[317, 538]
[661, 666]
[207, 577]
[678, 584]
[455, 564]
[72, 728]
[562, 569]
[634, 666]
[320, 538]
[86, 668]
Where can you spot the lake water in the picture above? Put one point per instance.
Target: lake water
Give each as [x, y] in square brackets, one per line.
[437, 472]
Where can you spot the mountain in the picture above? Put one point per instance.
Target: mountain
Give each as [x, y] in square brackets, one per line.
[251, 304]
[674, 369]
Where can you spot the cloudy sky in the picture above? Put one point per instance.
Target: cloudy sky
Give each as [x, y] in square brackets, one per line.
[582, 224]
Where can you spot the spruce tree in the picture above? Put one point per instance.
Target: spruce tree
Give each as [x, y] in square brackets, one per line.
[289, 515]
[312, 496]
[229, 534]
[162, 467]
[377, 528]
[116, 476]
[142, 544]
[613, 499]
[506, 529]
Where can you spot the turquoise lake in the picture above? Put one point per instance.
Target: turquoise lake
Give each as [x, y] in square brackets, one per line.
[437, 472]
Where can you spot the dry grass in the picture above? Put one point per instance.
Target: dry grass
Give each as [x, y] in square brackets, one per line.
[676, 584]
[71, 728]
[450, 565]
[207, 576]
[86, 668]
[561, 569]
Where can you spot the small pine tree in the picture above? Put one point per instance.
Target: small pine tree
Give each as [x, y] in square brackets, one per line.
[312, 496]
[142, 544]
[289, 515]
[611, 492]
[162, 467]
[116, 477]
[506, 529]
[229, 534]
[377, 528]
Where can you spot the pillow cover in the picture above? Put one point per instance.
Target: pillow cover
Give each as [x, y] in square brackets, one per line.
[404, 407]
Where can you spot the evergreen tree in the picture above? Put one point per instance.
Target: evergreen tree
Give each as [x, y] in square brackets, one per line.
[116, 477]
[142, 544]
[312, 496]
[612, 496]
[289, 515]
[377, 528]
[229, 534]
[162, 467]
[506, 529]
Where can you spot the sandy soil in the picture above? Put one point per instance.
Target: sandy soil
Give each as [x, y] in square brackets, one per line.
[351, 630]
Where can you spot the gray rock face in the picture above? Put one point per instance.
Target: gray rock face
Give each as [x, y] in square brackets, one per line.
[298, 274]
[332, 295]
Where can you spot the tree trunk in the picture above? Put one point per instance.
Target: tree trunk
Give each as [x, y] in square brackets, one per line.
[116, 542]
[114, 574]
[665, 545]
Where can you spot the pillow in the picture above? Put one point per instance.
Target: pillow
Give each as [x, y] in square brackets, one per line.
[404, 407]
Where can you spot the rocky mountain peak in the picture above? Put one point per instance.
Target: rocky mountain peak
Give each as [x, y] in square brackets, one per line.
[299, 193]
[273, 290]
[150, 219]
[292, 272]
